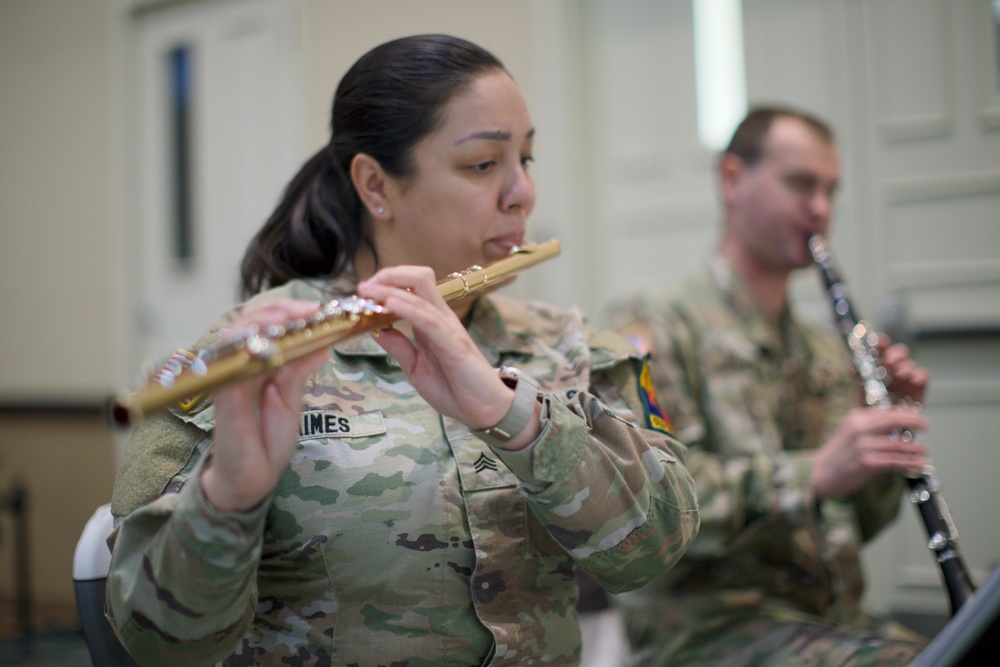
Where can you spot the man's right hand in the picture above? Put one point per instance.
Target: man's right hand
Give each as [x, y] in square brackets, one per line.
[866, 444]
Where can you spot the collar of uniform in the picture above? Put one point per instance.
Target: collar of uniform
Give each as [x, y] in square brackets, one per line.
[770, 336]
[498, 333]
[345, 284]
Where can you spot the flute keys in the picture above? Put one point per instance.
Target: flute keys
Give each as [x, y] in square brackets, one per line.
[258, 346]
[176, 364]
[199, 367]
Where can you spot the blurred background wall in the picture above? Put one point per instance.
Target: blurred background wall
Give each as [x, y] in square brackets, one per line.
[110, 255]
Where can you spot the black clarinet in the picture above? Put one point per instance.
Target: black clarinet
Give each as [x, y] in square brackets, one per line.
[925, 489]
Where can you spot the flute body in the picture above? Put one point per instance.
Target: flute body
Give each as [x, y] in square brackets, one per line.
[187, 376]
[925, 489]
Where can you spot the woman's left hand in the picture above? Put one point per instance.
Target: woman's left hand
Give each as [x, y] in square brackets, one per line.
[442, 362]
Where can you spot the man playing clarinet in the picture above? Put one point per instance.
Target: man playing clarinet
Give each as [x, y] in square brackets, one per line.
[793, 473]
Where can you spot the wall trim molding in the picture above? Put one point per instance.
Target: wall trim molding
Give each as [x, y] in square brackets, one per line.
[909, 276]
[911, 128]
[989, 118]
[914, 190]
[950, 393]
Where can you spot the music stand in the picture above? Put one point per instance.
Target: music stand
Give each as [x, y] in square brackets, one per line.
[972, 636]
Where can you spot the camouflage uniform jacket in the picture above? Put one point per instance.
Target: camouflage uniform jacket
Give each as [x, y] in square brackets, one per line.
[396, 536]
[752, 399]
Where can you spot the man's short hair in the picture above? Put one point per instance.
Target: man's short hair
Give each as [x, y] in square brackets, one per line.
[747, 142]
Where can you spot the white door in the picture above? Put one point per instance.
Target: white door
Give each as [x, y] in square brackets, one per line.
[215, 138]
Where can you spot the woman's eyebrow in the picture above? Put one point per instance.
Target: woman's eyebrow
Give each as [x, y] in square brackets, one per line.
[492, 135]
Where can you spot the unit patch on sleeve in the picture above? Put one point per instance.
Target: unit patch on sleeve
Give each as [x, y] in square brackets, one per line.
[329, 424]
[655, 417]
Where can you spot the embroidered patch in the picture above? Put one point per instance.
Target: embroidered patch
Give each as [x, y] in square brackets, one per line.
[327, 423]
[655, 417]
[484, 463]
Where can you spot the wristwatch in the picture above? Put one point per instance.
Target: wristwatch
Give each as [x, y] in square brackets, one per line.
[521, 410]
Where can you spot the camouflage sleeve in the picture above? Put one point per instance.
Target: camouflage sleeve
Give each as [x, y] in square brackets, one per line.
[182, 584]
[157, 451]
[732, 490]
[609, 488]
[181, 588]
[649, 329]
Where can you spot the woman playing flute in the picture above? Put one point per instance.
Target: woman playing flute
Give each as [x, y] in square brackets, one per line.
[396, 500]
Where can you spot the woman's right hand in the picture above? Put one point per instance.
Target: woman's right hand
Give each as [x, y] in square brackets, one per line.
[442, 362]
[256, 421]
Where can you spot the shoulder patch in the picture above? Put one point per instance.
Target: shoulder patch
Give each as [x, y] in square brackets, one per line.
[640, 336]
[655, 417]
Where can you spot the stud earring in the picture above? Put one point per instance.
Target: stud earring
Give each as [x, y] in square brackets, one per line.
[380, 210]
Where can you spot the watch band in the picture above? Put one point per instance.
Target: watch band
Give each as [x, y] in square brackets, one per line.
[521, 410]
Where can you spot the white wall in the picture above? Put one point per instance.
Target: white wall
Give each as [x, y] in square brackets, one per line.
[57, 208]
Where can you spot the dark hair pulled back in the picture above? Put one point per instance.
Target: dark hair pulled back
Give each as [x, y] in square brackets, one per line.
[389, 100]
